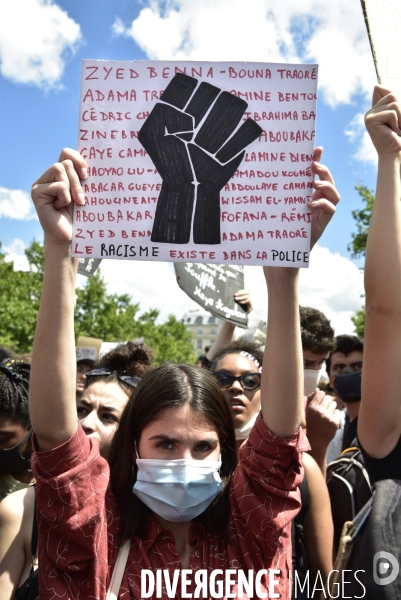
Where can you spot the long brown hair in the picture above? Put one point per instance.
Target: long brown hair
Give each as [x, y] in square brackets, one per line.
[170, 386]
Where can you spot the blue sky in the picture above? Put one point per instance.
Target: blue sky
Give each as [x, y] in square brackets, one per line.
[41, 47]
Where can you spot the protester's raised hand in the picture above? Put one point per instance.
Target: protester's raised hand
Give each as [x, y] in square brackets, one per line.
[322, 419]
[244, 298]
[324, 198]
[54, 194]
[383, 121]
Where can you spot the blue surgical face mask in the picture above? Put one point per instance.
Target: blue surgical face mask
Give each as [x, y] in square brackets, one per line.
[177, 490]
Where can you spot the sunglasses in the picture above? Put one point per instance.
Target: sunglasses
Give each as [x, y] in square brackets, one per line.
[248, 381]
[125, 376]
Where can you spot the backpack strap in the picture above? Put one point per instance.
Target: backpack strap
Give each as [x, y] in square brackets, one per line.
[118, 571]
[35, 534]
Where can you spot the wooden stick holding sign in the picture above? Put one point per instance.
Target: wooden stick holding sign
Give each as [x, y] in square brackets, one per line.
[197, 162]
[383, 23]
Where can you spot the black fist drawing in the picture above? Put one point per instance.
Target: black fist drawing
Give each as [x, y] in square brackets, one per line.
[191, 141]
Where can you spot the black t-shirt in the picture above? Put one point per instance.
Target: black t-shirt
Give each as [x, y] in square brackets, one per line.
[350, 432]
[388, 467]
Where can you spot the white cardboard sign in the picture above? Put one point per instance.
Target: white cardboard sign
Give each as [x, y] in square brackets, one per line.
[195, 161]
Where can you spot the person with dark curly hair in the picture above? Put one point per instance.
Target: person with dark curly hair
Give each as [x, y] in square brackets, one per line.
[15, 427]
[107, 389]
[317, 342]
[346, 359]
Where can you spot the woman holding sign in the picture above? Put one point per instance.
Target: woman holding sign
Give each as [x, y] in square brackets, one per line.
[178, 517]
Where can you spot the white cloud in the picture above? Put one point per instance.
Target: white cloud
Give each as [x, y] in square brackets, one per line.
[357, 134]
[331, 34]
[151, 284]
[34, 38]
[16, 204]
[118, 27]
[17, 247]
[15, 253]
[333, 284]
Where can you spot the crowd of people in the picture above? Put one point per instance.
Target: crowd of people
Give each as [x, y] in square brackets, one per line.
[121, 480]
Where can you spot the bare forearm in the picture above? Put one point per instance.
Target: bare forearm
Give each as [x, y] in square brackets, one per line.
[52, 387]
[282, 384]
[318, 524]
[379, 421]
[224, 337]
[383, 250]
[320, 457]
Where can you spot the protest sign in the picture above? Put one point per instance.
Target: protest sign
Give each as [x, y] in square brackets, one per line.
[195, 161]
[213, 287]
[85, 353]
[88, 266]
[383, 22]
[88, 347]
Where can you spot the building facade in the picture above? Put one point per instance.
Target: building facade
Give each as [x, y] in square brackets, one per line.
[203, 328]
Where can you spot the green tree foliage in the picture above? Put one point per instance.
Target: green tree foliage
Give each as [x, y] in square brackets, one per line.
[362, 219]
[19, 300]
[110, 317]
[106, 316]
[358, 244]
[114, 318]
[359, 321]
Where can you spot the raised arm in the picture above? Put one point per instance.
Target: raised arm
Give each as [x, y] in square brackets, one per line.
[379, 421]
[282, 377]
[226, 330]
[282, 381]
[52, 385]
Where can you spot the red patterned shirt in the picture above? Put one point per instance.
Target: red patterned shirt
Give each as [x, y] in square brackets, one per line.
[79, 523]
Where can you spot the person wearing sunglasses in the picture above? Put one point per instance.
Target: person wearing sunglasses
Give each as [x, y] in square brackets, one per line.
[107, 388]
[238, 370]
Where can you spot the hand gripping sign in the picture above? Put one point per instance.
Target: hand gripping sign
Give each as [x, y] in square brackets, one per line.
[196, 162]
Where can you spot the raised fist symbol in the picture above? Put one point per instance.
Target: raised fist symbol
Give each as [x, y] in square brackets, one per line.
[190, 138]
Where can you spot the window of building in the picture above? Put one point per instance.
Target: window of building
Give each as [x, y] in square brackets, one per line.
[212, 320]
[199, 332]
[212, 342]
[199, 344]
[198, 321]
[212, 331]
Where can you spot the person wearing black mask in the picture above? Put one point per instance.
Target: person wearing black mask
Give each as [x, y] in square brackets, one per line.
[15, 427]
[344, 367]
